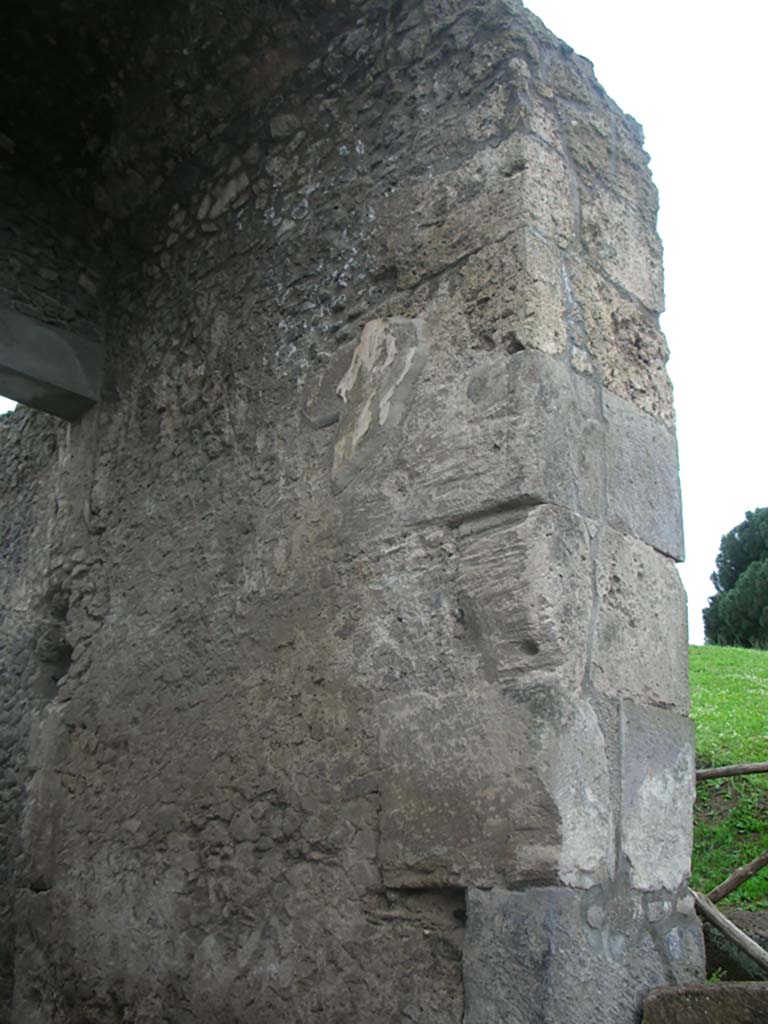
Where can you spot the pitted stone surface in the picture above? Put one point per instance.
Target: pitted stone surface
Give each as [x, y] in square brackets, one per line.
[642, 478]
[526, 583]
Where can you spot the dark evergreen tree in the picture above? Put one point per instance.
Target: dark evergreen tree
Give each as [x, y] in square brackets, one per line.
[737, 614]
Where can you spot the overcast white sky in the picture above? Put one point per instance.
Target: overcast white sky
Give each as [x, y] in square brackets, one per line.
[693, 74]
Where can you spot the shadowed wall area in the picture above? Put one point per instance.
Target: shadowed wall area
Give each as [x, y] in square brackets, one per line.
[343, 668]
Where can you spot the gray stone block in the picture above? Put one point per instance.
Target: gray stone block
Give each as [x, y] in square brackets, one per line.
[461, 803]
[642, 476]
[658, 790]
[47, 368]
[640, 649]
[557, 956]
[508, 431]
[526, 584]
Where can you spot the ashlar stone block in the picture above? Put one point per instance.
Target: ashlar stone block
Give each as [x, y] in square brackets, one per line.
[525, 581]
[640, 649]
[474, 438]
[658, 790]
[560, 956]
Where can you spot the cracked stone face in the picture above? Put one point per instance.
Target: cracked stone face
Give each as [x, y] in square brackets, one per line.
[342, 653]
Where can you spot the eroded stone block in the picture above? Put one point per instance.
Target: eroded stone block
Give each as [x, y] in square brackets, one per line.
[577, 775]
[658, 790]
[526, 588]
[642, 477]
[525, 428]
[624, 243]
[640, 649]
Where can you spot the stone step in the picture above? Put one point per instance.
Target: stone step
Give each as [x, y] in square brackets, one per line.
[708, 1003]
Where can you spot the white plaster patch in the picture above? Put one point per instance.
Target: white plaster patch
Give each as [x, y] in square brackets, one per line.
[374, 390]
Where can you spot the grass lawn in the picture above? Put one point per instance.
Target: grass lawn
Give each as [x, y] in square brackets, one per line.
[729, 701]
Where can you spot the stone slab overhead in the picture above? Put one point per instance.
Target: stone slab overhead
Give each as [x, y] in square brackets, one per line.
[48, 368]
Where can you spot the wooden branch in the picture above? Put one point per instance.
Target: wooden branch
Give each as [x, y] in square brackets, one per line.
[731, 769]
[740, 875]
[709, 911]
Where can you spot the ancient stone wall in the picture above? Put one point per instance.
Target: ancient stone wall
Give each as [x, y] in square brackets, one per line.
[48, 270]
[363, 684]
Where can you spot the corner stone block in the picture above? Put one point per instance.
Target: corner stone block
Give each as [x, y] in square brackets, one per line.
[643, 477]
[526, 586]
[558, 956]
[510, 430]
[658, 790]
[48, 368]
[490, 435]
[640, 650]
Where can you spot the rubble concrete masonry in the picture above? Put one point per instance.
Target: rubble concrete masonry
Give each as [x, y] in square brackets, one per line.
[342, 647]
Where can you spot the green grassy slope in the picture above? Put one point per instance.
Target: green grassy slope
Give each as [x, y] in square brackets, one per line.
[729, 702]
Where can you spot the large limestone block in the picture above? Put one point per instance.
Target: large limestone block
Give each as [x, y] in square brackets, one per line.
[513, 294]
[642, 477]
[574, 756]
[559, 956]
[640, 649]
[510, 430]
[658, 790]
[622, 241]
[457, 213]
[526, 587]
[425, 436]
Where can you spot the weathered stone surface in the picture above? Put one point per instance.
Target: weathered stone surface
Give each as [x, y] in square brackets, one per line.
[658, 790]
[624, 245]
[574, 751]
[449, 818]
[642, 478]
[525, 580]
[556, 956]
[517, 431]
[640, 647]
[720, 1003]
[285, 671]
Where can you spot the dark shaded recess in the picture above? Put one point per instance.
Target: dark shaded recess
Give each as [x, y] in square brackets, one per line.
[60, 80]
[72, 72]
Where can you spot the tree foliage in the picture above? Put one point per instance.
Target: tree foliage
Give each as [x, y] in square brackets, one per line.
[737, 615]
